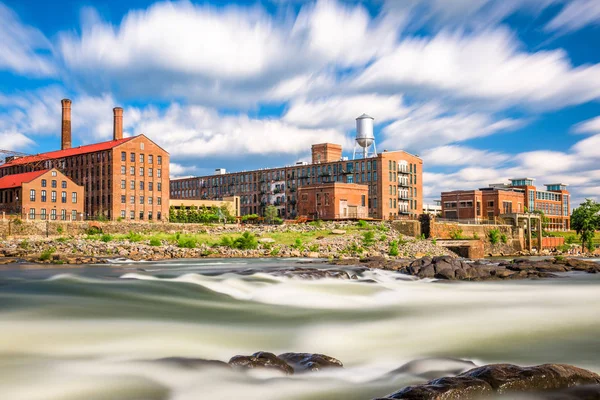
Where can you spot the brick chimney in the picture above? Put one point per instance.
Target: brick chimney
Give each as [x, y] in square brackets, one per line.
[117, 123]
[66, 124]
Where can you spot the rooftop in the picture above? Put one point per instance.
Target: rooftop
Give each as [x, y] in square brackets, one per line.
[17, 180]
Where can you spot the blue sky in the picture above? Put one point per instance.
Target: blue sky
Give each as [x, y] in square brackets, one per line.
[483, 90]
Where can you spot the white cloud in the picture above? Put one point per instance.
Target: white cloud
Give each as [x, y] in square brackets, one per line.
[179, 171]
[21, 45]
[589, 126]
[341, 111]
[462, 155]
[486, 65]
[14, 141]
[575, 15]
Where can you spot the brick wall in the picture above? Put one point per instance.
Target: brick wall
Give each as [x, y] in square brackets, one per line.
[552, 242]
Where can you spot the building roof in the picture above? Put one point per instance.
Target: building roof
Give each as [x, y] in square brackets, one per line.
[52, 155]
[555, 184]
[17, 180]
[365, 116]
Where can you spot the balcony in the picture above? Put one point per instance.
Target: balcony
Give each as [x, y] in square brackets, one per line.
[349, 172]
[403, 197]
[403, 171]
[293, 189]
[403, 183]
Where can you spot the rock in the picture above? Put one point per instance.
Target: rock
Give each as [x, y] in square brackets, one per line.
[302, 362]
[266, 240]
[583, 392]
[463, 388]
[261, 359]
[338, 232]
[313, 254]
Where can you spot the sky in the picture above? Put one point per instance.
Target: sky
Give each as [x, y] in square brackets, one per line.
[482, 90]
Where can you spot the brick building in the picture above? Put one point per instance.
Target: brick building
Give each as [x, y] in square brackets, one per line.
[45, 194]
[330, 201]
[122, 178]
[393, 180]
[517, 197]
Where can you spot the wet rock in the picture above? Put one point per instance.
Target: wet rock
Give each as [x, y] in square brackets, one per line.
[432, 368]
[584, 392]
[261, 359]
[193, 363]
[303, 362]
[456, 388]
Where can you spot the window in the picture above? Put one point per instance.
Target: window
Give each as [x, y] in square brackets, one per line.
[132, 157]
[141, 171]
[32, 195]
[53, 183]
[54, 196]
[44, 183]
[150, 158]
[141, 185]
[123, 170]
[131, 170]
[63, 197]
[142, 146]
[158, 173]
[63, 184]
[141, 158]
[74, 215]
[363, 200]
[159, 201]
[490, 204]
[123, 184]
[150, 172]
[32, 213]
[53, 214]
[158, 214]
[151, 185]
[132, 185]
[74, 197]
[131, 214]
[450, 204]
[159, 160]
[53, 173]
[63, 215]
[141, 215]
[150, 200]
[123, 199]
[123, 156]
[131, 199]
[159, 187]
[43, 213]
[141, 199]
[43, 195]
[122, 213]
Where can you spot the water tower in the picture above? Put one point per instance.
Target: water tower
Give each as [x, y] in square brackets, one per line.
[364, 137]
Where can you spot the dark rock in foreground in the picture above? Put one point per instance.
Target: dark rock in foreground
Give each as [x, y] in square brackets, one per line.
[302, 362]
[503, 379]
[261, 359]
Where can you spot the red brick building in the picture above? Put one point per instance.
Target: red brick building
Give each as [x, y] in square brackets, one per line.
[331, 201]
[123, 178]
[393, 180]
[517, 197]
[45, 194]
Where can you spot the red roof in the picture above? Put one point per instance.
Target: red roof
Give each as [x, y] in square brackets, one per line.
[17, 180]
[75, 151]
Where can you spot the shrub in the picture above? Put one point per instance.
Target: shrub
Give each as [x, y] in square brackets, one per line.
[62, 239]
[187, 242]
[316, 223]
[155, 242]
[24, 244]
[93, 230]
[59, 229]
[368, 238]
[475, 235]
[226, 241]
[383, 227]
[503, 238]
[46, 254]
[134, 237]
[246, 242]
[564, 248]
[393, 252]
[571, 239]
[17, 221]
[434, 241]
[456, 233]
[106, 238]
[277, 221]
[362, 224]
[559, 258]
[354, 248]
[298, 244]
[382, 238]
[275, 251]
[120, 219]
[494, 236]
[314, 247]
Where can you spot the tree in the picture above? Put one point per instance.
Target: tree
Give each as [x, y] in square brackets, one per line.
[586, 220]
[545, 221]
[270, 213]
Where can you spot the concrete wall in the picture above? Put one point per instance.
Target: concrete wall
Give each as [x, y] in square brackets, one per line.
[444, 230]
[408, 227]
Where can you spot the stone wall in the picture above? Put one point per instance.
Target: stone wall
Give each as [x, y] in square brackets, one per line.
[450, 230]
[408, 227]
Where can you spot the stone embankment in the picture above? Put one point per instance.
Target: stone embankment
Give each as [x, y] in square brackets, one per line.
[328, 240]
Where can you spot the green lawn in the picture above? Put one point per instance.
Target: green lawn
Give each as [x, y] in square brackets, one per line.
[574, 234]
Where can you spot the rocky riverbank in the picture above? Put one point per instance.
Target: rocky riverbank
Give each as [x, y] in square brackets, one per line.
[326, 240]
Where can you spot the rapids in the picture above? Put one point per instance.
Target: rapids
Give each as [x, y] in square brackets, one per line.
[95, 332]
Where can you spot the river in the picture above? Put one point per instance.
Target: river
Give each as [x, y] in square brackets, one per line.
[95, 332]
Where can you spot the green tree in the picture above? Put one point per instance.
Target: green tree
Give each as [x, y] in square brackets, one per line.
[586, 220]
[270, 214]
[545, 221]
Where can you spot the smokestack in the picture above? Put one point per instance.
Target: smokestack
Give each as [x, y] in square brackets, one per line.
[118, 123]
[66, 124]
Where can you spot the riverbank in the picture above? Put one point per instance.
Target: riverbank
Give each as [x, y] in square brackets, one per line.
[319, 240]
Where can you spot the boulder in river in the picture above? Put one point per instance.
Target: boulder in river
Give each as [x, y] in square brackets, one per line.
[261, 359]
[303, 362]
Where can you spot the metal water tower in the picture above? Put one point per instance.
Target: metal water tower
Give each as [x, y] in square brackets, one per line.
[364, 136]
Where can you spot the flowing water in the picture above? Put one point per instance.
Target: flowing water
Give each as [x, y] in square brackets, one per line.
[95, 333]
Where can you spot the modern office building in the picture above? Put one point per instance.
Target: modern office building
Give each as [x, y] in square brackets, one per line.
[393, 180]
[519, 196]
[122, 178]
[45, 195]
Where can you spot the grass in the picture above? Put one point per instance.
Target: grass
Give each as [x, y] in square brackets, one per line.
[46, 254]
[575, 238]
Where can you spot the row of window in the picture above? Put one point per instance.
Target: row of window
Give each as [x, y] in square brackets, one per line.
[54, 183]
[52, 216]
[132, 158]
[141, 199]
[141, 185]
[32, 196]
[141, 215]
[141, 171]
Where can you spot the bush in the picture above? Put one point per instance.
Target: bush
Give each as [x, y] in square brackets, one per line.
[354, 248]
[93, 230]
[316, 223]
[559, 258]
[362, 224]
[368, 238]
[434, 241]
[393, 252]
[106, 238]
[456, 233]
[277, 221]
[17, 221]
[155, 242]
[494, 236]
[503, 238]
[275, 251]
[60, 229]
[134, 237]
[46, 254]
[571, 239]
[120, 219]
[24, 244]
[383, 227]
[298, 244]
[226, 241]
[564, 248]
[246, 242]
[382, 238]
[62, 239]
[314, 247]
[475, 235]
[187, 242]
